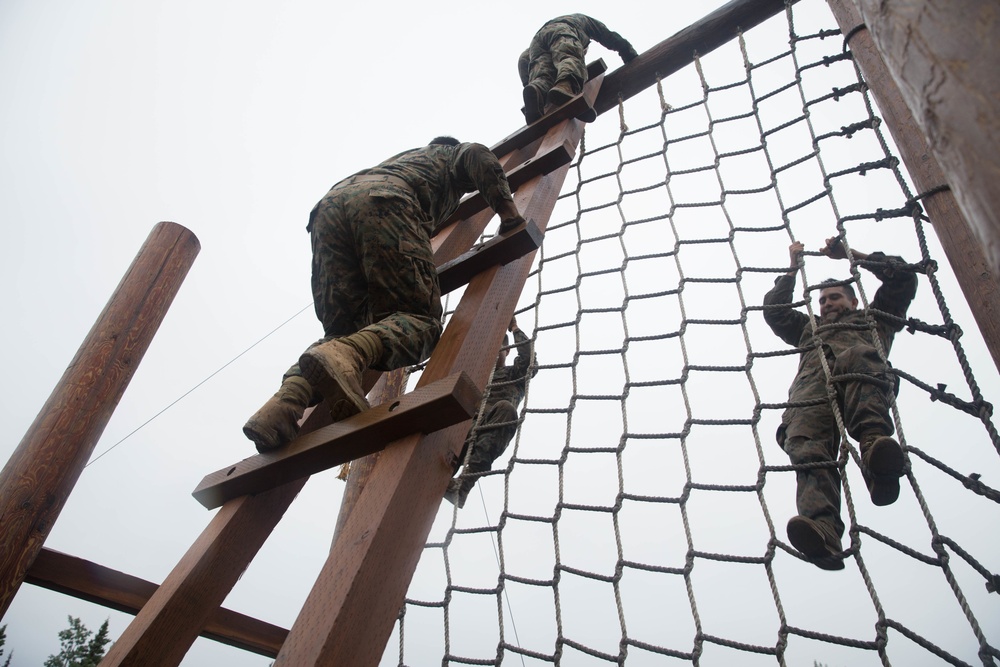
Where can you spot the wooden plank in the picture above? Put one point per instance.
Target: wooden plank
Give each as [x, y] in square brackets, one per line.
[41, 473]
[676, 52]
[498, 250]
[349, 614]
[95, 583]
[449, 401]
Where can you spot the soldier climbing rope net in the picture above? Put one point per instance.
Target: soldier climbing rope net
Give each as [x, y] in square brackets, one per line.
[638, 515]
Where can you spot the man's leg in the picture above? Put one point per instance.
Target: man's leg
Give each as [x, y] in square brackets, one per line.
[541, 76]
[495, 432]
[401, 301]
[571, 71]
[865, 404]
[818, 528]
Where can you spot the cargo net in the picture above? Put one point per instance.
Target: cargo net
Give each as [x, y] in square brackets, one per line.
[638, 515]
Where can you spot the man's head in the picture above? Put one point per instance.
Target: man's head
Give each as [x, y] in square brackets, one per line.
[444, 141]
[836, 299]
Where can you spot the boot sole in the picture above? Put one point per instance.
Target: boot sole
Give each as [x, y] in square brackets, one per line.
[885, 467]
[811, 543]
[264, 439]
[333, 386]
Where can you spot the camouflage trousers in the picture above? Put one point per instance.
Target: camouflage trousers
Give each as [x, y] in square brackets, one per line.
[556, 55]
[373, 269]
[809, 434]
[496, 429]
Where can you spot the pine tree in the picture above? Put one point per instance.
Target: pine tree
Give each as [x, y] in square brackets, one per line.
[78, 649]
[3, 640]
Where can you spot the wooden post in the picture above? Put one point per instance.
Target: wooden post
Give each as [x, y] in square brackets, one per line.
[944, 59]
[42, 471]
[963, 249]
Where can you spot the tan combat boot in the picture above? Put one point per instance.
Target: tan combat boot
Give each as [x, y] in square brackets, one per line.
[816, 542]
[277, 422]
[335, 369]
[881, 466]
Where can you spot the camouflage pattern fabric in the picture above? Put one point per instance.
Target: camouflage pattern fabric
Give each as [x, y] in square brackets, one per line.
[557, 52]
[499, 422]
[808, 431]
[372, 262]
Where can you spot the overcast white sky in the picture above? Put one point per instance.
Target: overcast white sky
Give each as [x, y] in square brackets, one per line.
[231, 119]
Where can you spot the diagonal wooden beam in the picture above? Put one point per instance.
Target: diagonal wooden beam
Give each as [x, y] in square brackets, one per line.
[676, 52]
[446, 402]
[95, 583]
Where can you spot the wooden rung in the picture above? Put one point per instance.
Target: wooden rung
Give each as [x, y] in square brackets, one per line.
[440, 404]
[95, 583]
[538, 166]
[498, 250]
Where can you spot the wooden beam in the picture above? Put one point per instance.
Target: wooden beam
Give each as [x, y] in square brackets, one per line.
[498, 250]
[676, 52]
[966, 254]
[446, 402]
[101, 585]
[42, 471]
[349, 614]
[167, 625]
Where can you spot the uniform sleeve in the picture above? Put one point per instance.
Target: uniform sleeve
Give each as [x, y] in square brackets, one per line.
[524, 358]
[478, 165]
[786, 323]
[899, 285]
[610, 39]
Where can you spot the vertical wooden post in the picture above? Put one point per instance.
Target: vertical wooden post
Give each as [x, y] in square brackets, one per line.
[944, 59]
[966, 254]
[42, 471]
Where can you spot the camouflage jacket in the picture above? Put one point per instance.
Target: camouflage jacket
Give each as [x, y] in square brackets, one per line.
[509, 382]
[585, 29]
[898, 288]
[439, 175]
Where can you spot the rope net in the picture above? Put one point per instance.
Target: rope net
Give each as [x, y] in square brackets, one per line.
[638, 515]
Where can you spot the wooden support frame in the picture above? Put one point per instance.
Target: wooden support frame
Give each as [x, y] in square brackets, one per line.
[37, 480]
[122, 592]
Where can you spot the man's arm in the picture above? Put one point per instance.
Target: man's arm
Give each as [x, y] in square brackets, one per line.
[787, 324]
[607, 38]
[486, 173]
[899, 285]
[525, 352]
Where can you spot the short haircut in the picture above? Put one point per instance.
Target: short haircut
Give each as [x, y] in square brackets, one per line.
[833, 282]
[444, 141]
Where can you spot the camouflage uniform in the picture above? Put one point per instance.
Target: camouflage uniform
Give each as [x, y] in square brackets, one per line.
[557, 50]
[372, 264]
[499, 421]
[809, 433]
